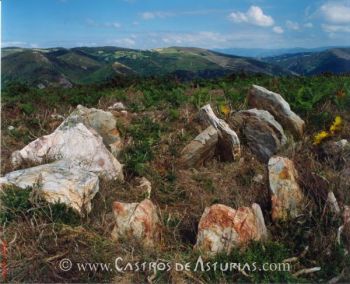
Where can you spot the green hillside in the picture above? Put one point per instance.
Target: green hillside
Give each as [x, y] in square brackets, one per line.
[61, 67]
[335, 61]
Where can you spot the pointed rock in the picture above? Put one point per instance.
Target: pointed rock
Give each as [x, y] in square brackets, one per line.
[286, 196]
[77, 145]
[200, 149]
[58, 182]
[103, 122]
[222, 228]
[264, 135]
[137, 220]
[262, 98]
[228, 143]
[146, 186]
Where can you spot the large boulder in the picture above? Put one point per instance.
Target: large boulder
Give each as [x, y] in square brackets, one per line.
[228, 144]
[262, 98]
[103, 122]
[58, 182]
[263, 134]
[222, 228]
[137, 220]
[78, 145]
[286, 196]
[200, 149]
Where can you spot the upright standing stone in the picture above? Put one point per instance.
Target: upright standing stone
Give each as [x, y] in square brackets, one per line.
[262, 98]
[286, 196]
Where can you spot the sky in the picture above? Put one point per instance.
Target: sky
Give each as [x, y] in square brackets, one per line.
[147, 24]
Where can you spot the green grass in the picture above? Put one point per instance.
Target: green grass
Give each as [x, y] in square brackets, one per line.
[19, 203]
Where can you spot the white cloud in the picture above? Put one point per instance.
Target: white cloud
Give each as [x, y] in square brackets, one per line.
[278, 30]
[194, 39]
[336, 12]
[336, 28]
[255, 16]
[292, 25]
[115, 25]
[156, 14]
[125, 42]
[309, 25]
[13, 43]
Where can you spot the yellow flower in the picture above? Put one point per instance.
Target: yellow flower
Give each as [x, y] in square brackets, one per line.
[319, 137]
[337, 125]
[225, 109]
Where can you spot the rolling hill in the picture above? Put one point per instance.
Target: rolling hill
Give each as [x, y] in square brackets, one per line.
[83, 65]
[336, 60]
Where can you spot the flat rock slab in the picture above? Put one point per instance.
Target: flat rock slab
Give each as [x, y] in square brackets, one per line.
[287, 199]
[58, 182]
[200, 149]
[76, 144]
[262, 133]
[137, 220]
[261, 98]
[222, 228]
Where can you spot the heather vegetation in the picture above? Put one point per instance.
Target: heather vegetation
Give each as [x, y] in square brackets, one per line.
[161, 119]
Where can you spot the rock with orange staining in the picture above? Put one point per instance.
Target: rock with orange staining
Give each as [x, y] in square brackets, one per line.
[137, 220]
[222, 228]
[262, 98]
[286, 196]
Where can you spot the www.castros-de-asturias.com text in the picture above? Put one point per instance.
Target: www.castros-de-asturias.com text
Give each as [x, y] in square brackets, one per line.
[121, 266]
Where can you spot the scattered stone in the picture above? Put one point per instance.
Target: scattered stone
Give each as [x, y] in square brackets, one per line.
[11, 128]
[200, 149]
[41, 86]
[117, 106]
[262, 98]
[103, 122]
[222, 228]
[228, 143]
[137, 220]
[258, 178]
[146, 186]
[286, 196]
[58, 182]
[333, 203]
[264, 135]
[337, 152]
[76, 144]
[56, 116]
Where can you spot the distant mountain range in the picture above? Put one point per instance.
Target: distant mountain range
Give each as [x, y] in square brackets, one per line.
[84, 65]
[267, 52]
[336, 60]
[64, 67]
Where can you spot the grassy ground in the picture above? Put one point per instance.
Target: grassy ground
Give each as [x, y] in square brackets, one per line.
[162, 120]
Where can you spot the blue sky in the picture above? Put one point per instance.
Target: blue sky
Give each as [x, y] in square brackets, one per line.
[160, 23]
